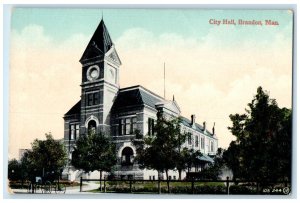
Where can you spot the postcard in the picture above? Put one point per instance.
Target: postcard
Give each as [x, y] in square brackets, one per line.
[150, 101]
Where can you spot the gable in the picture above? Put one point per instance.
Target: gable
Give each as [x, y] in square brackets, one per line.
[113, 56]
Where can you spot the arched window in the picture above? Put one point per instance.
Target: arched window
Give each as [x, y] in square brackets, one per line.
[92, 126]
[127, 156]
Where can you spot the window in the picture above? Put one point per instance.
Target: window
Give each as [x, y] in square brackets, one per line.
[202, 142]
[189, 139]
[72, 132]
[133, 126]
[93, 98]
[174, 177]
[127, 126]
[122, 128]
[96, 98]
[211, 146]
[127, 156]
[77, 131]
[149, 177]
[196, 168]
[153, 177]
[151, 126]
[90, 99]
[92, 126]
[170, 177]
[196, 141]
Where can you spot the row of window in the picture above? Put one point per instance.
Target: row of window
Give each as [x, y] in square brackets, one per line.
[196, 141]
[170, 178]
[127, 126]
[202, 142]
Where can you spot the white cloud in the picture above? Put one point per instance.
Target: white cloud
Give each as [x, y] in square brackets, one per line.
[44, 84]
[208, 80]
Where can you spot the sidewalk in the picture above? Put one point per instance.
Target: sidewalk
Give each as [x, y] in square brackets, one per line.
[69, 190]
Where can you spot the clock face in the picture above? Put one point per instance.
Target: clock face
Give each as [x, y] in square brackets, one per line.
[93, 73]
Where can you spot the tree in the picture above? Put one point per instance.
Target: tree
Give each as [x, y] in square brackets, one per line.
[94, 152]
[232, 159]
[161, 150]
[46, 158]
[262, 150]
[14, 170]
[182, 161]
[213, 171]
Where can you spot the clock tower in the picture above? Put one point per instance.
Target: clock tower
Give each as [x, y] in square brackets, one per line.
[100, 81]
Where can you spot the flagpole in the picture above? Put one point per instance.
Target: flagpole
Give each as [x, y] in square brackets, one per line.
[164, 81]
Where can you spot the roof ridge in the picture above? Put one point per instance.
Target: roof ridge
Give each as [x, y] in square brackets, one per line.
[197, 124]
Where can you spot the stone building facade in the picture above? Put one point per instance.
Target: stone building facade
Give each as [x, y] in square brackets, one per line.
[119, 112]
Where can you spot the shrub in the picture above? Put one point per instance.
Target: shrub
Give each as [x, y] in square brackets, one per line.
[242, 190]
[210, 189]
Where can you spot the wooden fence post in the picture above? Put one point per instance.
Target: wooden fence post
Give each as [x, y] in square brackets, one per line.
[159, 188]
[193, 187]
[227, 185]
[130, 185]
[104, 185]
[80, 184]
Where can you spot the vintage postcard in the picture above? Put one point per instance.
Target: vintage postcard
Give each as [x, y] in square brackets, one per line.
[150, 101]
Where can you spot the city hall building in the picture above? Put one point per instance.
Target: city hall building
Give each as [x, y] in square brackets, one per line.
[119, 112]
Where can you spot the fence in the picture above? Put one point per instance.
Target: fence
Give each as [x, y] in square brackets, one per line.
[190, 186]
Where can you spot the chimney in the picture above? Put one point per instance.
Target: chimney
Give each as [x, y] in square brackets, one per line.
[204, 126]
[193, 118]
[213, 129]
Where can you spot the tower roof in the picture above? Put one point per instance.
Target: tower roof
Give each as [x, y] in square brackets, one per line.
[99, 44]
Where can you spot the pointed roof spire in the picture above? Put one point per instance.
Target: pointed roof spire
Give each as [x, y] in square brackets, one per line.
[99, 44]
[173, 97]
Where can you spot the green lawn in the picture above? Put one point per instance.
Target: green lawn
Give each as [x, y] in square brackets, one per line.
[152, 187]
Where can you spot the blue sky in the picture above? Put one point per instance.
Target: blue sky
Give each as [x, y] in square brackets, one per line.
[61, 23]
